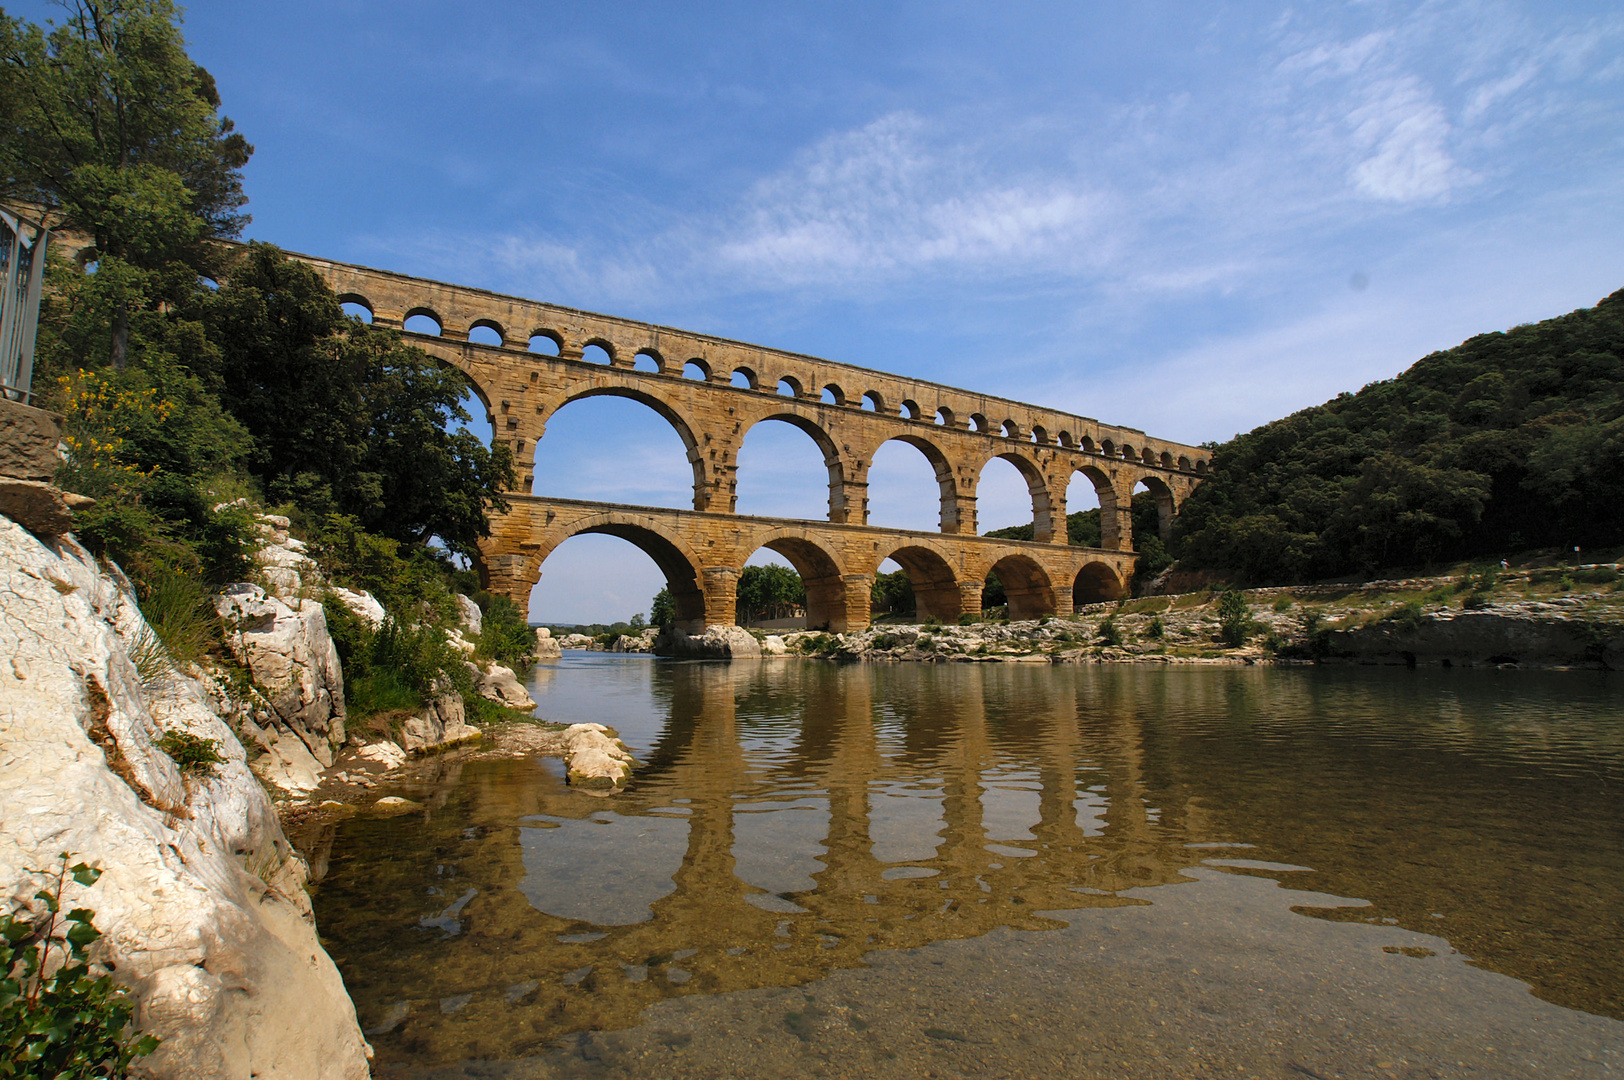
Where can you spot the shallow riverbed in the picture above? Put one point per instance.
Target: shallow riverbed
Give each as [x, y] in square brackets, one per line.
[1009, 870]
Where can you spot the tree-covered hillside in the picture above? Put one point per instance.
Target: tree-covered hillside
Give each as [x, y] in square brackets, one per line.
[1506, 442]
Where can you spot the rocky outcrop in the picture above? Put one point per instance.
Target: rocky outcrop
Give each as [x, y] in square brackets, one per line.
[575, 641]
[597, 761]
[498, 683]
[442, 723]
[547, 646]
[716, 643]
[285, 646]
[635, 643]
[29, 458]
[201, 899]
[469, 617]
[1523, 634]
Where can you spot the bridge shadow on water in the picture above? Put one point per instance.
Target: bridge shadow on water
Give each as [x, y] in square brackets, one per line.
[793, 820]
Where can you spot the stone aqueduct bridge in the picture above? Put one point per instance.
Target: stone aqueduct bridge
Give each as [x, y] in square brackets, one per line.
[848, 411]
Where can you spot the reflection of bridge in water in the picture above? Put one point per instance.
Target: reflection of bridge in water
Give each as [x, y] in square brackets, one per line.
[712, 392]
[775, 851]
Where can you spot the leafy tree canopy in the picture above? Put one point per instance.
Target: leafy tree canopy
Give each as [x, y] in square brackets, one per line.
[769, 592]
[1509, 440]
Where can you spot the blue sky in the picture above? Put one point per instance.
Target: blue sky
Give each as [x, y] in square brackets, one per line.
[1186, 218]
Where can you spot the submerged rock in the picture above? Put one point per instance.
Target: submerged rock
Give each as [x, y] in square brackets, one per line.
[442, 723]
[201, 899]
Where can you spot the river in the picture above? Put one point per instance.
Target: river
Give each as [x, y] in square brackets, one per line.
[945, 870]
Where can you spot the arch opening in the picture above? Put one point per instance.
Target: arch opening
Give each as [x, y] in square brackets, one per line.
[813, 585]
[1088, 495]
[485, 332]
[649, 361]
[944, 416]
[1096, 583]
[936, 593]
[789, 386]
[776, 476]
[833, 395]
[608, 572]
[898, 483]
[978, 423]
[696, 369]
[570, 462]
[1011, 429]
[355, 306]
[873, 402]
[1153, 510]
[743, 378]
[422, 321]
[1021, 586]
[545, 343]
[1011, 499]
[910, 409]
[596, 354]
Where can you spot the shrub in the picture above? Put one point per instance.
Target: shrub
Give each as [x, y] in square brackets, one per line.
[1283, 604]
[180, 609]
[1407, 617]
[193, 753]
[967, 619]
[1109, 633]
[1234, 619]
[70, 1023]
[505, 634]
[1156, 629]
[1474, 602]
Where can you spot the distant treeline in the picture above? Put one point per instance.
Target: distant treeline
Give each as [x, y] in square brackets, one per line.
[1507, 442]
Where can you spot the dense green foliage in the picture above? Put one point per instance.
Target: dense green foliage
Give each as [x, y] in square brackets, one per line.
[65, 1022]
[1234, 618]
[1508, 441]
[662, 610]
[769, 592]
[891, 594]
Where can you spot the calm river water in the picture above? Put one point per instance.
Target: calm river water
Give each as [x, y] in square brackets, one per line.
[1010, 870]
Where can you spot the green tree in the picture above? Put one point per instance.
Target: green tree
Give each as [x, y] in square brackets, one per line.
[110, 128]
[346, 418]
[663, 610]
[891, 593]
[769, 592]
[1234, 618]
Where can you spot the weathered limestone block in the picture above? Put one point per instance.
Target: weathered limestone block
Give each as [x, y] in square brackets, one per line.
[286, 647]
[635, 643]
[498, 683]
[773, 645]
[717, 643]
[469, 617]
[547, 647]
[442, 723]
[363, 604]
[201, 899]
[598, 761]
[575, 641]
[35, 505]
[28, 441]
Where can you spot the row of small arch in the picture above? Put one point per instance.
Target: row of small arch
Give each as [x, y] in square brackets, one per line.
[550, 343]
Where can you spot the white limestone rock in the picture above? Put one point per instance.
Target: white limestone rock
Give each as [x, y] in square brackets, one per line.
[201, 899]
[286, 647]
[442, 723]
[547, 646]
[598, 761]
[773, 645]
[363, 604]
[498, 683]
[469, 617]
[716, 643]
[575, 641]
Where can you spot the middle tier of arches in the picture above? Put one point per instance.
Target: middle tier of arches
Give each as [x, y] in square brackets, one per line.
[712, 444]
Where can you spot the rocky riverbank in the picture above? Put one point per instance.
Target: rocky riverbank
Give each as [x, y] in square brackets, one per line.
[1549, 617]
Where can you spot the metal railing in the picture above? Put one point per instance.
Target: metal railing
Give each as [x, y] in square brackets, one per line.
[22, 273]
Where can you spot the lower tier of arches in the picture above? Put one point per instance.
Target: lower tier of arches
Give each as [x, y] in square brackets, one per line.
[702, 555]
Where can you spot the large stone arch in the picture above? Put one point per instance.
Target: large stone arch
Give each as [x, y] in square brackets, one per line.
[684, 575]
[936, 587]
[1027, 584]
[1167, 503]
[1097, 582]
[1116, 517]
[832, 459]
[703, 488]
[952, 520]
[821, 572]
[1044, 519]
